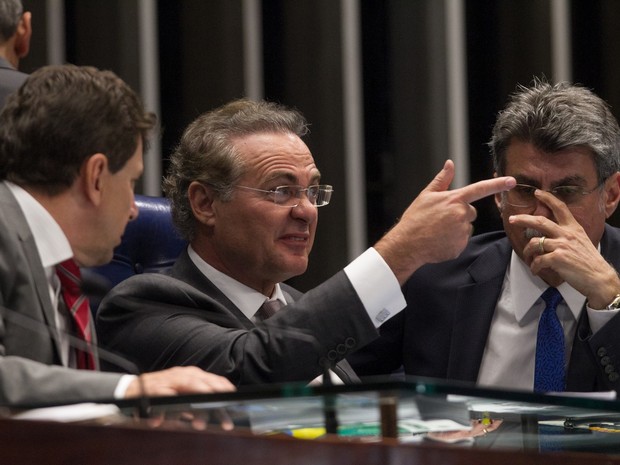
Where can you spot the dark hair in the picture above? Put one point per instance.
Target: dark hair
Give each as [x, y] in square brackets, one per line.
[556, 117]
[60, 117]
[10, 13]
[207, 151]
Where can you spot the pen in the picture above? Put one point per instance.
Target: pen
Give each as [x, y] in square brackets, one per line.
[605, 427]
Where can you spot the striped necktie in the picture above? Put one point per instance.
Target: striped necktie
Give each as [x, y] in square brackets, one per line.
[549, 371]
[77, 303]
[268, 309]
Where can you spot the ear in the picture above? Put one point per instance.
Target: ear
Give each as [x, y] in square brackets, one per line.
[201, 198]
[23, 35]
[612, 189]
[94, 173]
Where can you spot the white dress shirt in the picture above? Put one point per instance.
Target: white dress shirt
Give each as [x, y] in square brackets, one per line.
[509, 356]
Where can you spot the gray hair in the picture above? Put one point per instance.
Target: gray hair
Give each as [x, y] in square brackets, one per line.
[10, 13]
[207, 152]
[556, 117]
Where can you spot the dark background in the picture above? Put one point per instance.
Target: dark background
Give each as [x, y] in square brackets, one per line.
[200, 53]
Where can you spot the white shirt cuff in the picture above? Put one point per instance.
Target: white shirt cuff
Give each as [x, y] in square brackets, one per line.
[598, 318]
[123, 384]
[376, 286]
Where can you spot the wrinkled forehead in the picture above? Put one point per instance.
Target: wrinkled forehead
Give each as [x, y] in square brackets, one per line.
[277, 155]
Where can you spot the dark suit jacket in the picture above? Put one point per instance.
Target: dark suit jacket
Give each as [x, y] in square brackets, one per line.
[443, 331]
[159, 321]
[10, 80]
[27, 356]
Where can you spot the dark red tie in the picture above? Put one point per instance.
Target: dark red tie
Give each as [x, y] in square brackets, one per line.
[77, 303]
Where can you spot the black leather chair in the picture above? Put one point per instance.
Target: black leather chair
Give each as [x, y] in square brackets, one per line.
[150, 244]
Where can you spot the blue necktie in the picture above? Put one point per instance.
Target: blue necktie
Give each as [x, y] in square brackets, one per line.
[549, 371]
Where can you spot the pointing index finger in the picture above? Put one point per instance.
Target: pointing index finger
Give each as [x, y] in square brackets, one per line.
[481, 189]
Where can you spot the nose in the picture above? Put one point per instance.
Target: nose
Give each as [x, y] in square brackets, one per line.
[542, 209]
[304, 209]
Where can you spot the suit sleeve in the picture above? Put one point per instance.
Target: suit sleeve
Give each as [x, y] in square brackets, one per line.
[158, 322]
[26, 382]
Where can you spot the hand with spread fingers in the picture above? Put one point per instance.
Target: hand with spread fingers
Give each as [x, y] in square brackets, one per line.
[561, 250]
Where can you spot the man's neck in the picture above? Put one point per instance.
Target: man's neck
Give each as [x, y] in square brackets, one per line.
[8, 53]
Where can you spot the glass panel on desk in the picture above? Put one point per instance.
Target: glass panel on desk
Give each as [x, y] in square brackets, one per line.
[414, 411]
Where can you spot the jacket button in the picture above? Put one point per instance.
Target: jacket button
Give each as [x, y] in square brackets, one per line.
[350, 342]
[613, 376]
[341, 349]
[609, 369]
[601, 351]
[605, 360]
[332, 355]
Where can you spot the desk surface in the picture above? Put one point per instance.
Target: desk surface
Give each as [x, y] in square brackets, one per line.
[475, 425]
[29, 442]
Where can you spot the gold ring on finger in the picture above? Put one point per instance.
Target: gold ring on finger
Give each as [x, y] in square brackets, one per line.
[541, 245]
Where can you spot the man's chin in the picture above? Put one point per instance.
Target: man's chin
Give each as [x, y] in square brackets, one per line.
[295, 269]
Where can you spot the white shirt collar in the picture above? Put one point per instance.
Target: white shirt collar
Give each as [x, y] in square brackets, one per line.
[245, 298]
[52, 244]
[525, 289]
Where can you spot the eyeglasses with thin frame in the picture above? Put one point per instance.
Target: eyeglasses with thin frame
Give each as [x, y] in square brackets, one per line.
[522, 195]
[319, 195]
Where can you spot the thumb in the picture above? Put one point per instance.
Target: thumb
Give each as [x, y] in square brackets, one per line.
[442, 180]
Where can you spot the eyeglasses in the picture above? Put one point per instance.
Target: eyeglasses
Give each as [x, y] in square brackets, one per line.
[522, 195]
[290, 196]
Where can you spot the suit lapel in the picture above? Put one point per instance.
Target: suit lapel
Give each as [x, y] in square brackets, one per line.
[30, 252]
[185, 270]
[475, 307]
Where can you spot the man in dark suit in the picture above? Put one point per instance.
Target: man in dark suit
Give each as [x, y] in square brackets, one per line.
[15, 32]
[71, 143]
[476, 318]
[245, 191]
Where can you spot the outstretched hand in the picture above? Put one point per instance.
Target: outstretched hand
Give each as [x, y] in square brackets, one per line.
[437, 224]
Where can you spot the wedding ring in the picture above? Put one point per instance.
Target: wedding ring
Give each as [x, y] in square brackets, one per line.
[485, 431]
[541, 245]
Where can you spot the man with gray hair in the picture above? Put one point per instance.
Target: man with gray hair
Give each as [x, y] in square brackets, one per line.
[15, 32]
[245, 193]
[535, 306]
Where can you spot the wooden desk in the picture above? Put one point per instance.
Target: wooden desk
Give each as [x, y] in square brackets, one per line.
[29, 442]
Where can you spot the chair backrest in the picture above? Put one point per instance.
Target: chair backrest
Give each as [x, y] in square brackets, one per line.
[150, 244]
